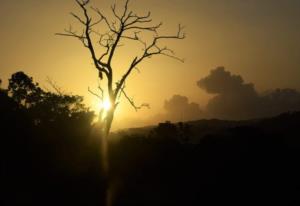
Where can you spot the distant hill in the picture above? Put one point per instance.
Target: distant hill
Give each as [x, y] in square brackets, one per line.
[206, 127]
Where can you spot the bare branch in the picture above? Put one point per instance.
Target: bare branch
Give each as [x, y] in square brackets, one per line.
[114, 46]
[115, 43]
[104, 54]
[149, 28]
[113, 8]
[54, 86]
[135, 37]
[131, 101]
[173, 57]
[97, 22]
[104, 18]
[125, 10]
[123, 79]
[82, 3]
[137, 19]
[101, 90]
[70, 33]
[95, 94]
[78, 18]
[159, 50]
[86, 39]
[148, 52]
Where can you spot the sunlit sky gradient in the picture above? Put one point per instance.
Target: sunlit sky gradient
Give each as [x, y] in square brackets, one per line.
[258, 39]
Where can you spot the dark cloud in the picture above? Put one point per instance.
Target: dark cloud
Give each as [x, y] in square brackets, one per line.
[220, 81]
[235, 99]
[178, 108]
[281, 100]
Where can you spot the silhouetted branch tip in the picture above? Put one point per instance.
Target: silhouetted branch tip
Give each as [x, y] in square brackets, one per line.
[82, 3]
[54, 86]
[95, 94]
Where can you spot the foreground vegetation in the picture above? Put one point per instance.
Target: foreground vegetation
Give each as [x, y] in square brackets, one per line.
[50, 155]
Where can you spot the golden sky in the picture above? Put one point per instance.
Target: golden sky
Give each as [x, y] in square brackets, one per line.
[258, 39]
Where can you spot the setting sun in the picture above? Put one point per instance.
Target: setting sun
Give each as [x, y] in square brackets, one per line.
[105, 105]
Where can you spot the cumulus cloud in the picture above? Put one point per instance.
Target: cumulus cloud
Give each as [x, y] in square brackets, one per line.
[220, 81]
[178, 108]
[235, 99]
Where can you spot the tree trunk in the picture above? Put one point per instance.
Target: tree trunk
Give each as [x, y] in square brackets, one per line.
[107, 122]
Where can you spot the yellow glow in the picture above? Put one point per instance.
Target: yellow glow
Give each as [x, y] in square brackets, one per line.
[106, 105]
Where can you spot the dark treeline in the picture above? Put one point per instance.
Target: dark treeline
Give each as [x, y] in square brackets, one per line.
[236, 163]
[50, 156]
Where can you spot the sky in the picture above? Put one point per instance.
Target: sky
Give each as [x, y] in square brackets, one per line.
[257, 39]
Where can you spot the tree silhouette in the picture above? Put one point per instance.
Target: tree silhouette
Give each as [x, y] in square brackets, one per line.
[44, 106]
[23, 90]
[122, 27]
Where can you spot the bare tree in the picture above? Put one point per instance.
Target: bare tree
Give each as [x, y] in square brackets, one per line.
[124, 26]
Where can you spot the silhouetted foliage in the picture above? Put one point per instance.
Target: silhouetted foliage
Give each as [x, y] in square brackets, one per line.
[171, 132]
[48, 153]
[23, 90]
[49, 157]
[240, 163]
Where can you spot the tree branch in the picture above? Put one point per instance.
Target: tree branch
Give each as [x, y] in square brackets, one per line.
[55, 87]
[125, 10]
[85, 37]
[131, 101]
[149, 28]
[104, 18]
[96, 95]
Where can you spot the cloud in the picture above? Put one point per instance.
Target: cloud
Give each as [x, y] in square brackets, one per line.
[220, 81]
[178, 108]
[235, 99]
[281, 100]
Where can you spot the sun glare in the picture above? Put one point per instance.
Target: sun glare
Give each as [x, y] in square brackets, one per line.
[106, 105]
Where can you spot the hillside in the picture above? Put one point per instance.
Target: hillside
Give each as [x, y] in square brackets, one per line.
[283, 123]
